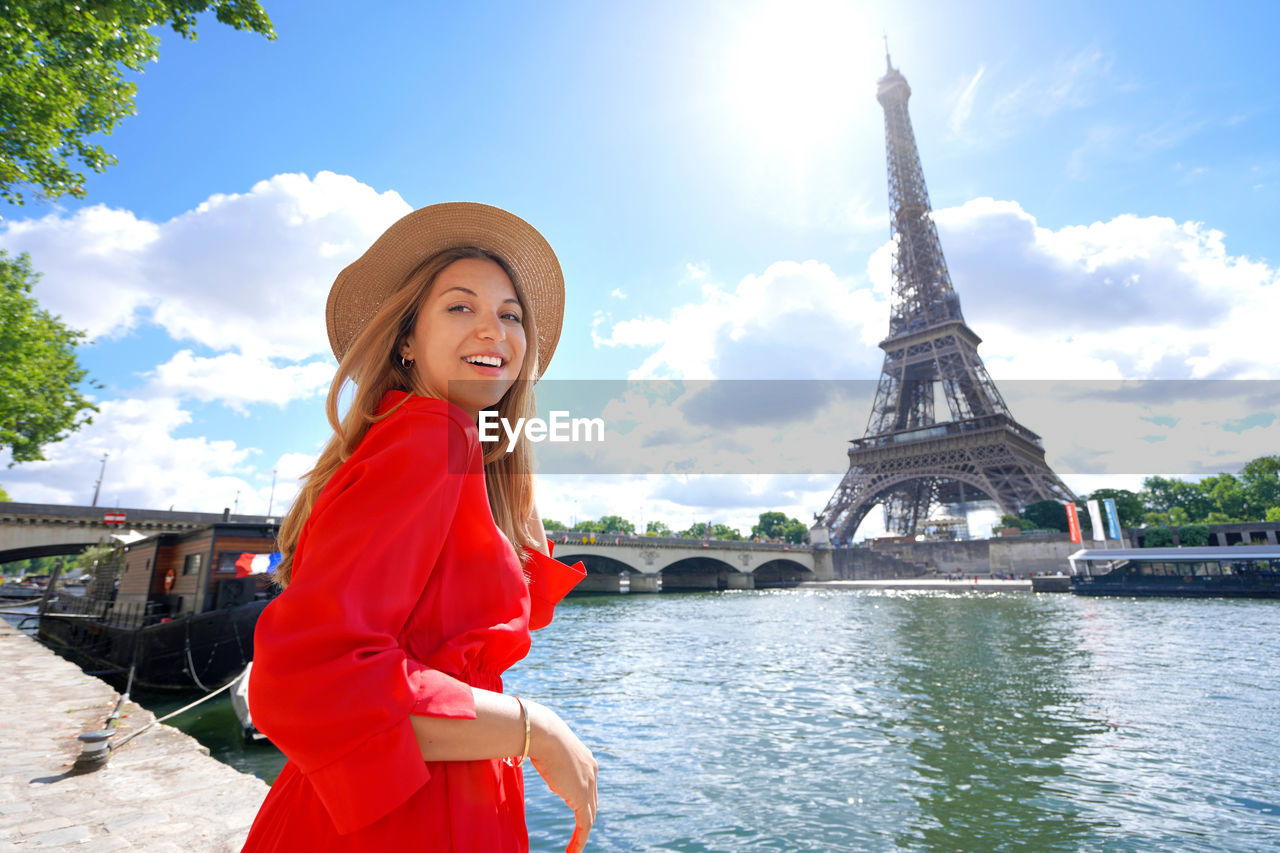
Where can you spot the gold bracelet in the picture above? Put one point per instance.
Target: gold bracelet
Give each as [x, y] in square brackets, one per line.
[516, 762]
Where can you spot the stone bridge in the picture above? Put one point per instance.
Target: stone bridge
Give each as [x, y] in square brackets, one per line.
[652, 564]
[30, 530]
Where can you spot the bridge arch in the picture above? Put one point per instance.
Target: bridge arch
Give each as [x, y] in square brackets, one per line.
[782, 572]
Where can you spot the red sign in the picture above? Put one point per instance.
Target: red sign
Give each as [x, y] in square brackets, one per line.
[113, 518]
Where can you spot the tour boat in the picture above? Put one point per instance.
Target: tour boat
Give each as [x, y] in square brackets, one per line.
[1238, 571]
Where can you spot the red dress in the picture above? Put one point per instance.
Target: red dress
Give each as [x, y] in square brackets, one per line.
[404, 596]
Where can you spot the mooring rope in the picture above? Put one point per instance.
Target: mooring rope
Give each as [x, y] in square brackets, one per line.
[191, 665]
[172, 714]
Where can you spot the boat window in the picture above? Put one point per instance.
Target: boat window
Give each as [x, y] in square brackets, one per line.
[1228, 568]
[1213, 568]
[1199, 569]
[191, 564]
[1157, 568]
[1144, 568]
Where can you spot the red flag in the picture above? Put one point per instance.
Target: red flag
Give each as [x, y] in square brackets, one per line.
[1073, 521]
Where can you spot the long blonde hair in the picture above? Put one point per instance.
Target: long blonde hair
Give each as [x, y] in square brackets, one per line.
[373, 364]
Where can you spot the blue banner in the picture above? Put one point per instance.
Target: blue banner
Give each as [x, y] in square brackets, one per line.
[1113, 518]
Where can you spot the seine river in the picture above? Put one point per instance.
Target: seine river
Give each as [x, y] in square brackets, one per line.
[804, 720]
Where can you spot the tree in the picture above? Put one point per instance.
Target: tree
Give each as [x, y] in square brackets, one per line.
[1260, 479]
[657, 528]
[1128, 505]
[549, 524]
[724, 531]
[1193, 535]
[771, 526]
[1273, 513]
[1046, 515]
[590, 527]
[62, 79]
[699, 530]
[39, 400]
[795, 532]
[1157, 537]
[616, 524]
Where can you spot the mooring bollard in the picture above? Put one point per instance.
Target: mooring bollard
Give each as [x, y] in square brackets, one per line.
[95, 749]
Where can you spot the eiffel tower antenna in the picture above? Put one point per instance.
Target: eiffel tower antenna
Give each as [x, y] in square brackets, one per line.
[888, 63]
[909, 461]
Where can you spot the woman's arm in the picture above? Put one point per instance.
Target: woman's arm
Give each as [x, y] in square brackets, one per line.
[563, 761]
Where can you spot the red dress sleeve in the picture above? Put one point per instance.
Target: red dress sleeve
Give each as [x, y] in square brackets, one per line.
[549, 581]
[331, 685]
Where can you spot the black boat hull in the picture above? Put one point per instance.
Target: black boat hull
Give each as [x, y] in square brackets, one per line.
[1179, 587]
[193, 652]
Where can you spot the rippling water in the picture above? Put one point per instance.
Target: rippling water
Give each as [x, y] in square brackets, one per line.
[836, 720]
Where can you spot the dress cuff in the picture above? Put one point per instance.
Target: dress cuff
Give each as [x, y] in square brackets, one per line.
[549, 581]
[437, 694]
[392, 758]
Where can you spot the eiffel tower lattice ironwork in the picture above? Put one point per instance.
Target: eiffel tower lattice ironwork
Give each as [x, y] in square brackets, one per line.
[908, 461]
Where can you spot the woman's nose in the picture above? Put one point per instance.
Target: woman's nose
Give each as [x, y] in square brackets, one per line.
[490, 327]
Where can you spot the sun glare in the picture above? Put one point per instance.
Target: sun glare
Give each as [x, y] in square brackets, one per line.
[797, 70]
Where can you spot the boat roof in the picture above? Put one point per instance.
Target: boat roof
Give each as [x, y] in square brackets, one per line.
[1208, 552]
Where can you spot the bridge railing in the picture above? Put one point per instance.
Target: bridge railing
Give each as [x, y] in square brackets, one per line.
[562, 538]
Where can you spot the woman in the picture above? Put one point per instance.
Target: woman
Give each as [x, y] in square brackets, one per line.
[414, 561]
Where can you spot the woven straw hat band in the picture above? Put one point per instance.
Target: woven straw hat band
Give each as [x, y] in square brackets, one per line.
[362, 288]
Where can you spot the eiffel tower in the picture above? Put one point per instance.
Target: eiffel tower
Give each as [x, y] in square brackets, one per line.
[909, 461]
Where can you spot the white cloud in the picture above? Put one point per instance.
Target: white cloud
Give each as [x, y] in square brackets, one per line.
[963, 109]
[247, 272]
[793, 321]
[239, 380]
[147, 465]
[1135, 297]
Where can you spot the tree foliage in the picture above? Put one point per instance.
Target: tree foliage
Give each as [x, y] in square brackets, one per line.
[1046, 515]
[616, 524]
[39, 399]
[62, 67]
[657, 528]
[772, 525]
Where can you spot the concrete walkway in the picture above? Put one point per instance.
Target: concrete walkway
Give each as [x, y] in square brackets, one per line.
[160, 792]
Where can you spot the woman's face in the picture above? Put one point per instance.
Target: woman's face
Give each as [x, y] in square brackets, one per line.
[468, 343]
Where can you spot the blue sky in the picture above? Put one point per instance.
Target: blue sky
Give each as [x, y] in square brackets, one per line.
[1106, 179]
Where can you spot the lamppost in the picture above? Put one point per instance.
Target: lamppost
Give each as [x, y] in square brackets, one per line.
[97, 487]
[271, 502]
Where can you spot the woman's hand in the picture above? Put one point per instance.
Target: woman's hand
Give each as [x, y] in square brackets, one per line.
[567, 766]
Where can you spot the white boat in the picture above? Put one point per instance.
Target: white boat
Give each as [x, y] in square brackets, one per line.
[240, 703]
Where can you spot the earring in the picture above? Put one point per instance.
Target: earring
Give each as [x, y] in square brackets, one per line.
[406, 363]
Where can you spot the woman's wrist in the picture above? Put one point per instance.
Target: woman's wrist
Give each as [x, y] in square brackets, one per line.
[542, 727]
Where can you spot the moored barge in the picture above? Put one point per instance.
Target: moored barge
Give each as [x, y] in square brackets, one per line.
[179, 616]
[1245, 571]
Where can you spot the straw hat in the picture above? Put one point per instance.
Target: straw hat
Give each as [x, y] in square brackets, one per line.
[362, 287]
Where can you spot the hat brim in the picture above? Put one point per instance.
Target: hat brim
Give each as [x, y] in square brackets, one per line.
[362, 287]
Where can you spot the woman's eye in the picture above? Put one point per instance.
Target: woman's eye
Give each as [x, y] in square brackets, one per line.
[511, 316]
[459, 308]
